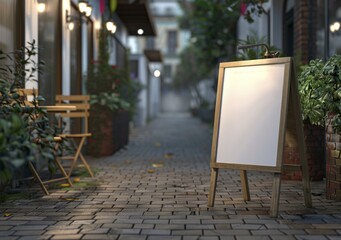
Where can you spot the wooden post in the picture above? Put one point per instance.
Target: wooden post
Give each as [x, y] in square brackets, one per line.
[300, 140]
[213, 186]
[276, 186]
[245, 185]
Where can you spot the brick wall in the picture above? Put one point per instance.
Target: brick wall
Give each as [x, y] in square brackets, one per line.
[305, 30]
[333, 166]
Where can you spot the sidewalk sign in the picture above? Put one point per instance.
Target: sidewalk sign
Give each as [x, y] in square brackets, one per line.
[254, 100]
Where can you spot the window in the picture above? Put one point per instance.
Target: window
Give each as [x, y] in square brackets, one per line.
[334, 27]
[76, 54]
[150, 43]
[167, 70]
[334, 15]
[11, 25]
[172, 41]
[49, 39]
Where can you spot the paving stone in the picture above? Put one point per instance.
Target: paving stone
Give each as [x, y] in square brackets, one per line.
[253, 237]
[29, 227]
[334, 237]
[100, 237]
[129, 201]
[95, 231]
[284, 237]
[5, 228]
[311, 237]
[226, 232]
[248, 226]
[266, 232]
[132, 237]
[29, 233]
[67, 236]
[164, 238]
[187, 232]
[321, 231]
[226, 238]
[35, 237]
[155, 232]
[6, 233]
[199, 226]
[9, 238]
[63, 231]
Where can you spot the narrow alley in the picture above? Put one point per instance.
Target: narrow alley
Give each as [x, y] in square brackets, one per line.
[157, 188]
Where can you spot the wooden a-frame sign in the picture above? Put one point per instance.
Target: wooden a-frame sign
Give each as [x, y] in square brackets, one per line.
[254, 100]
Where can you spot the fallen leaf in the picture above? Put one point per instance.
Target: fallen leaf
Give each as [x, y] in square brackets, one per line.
[168, 155]
[7, 214]
[76, 179]
[157, 165]
[150, 170]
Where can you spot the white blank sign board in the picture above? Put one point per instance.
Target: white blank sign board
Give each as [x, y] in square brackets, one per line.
[250, 114]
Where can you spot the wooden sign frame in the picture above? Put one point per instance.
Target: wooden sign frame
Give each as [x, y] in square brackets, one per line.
[272, 84]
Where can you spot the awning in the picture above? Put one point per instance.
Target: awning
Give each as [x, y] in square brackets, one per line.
[136, 15]
[153, 55]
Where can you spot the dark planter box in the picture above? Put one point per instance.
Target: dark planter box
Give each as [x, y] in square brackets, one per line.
[314, 141]
[120, 130]
[110, 132]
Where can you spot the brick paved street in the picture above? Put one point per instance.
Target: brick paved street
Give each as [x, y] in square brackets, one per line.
[157, 189]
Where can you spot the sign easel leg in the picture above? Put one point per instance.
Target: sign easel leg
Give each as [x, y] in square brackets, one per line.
[276, 186]
[301, 144]
[213, 186]
[245, 185]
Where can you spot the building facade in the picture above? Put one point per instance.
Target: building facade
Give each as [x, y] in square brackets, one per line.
[305, 29]
[169, 40]
[68, 40]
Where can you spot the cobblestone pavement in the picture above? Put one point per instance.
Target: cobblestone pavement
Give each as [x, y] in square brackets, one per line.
[157, 189]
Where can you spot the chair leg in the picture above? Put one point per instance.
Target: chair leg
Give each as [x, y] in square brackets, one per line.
[76, 156]
[78, 147]
[86, 165]
[66, 176]
[36, 175]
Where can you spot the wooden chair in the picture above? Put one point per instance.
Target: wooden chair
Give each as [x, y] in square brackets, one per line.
[29, 96]
[79, 137]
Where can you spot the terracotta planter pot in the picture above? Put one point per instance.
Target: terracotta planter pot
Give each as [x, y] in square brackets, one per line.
[333, 166]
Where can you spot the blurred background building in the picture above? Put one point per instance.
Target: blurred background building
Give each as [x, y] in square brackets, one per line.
[149, 40]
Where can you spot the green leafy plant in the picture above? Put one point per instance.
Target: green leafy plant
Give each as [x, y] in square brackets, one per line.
[213, 26]
[110, 100]
[255, 52]
[109, 86]
[320, 91]
[25, 134]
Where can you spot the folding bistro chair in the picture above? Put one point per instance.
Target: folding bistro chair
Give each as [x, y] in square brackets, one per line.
[29, 96]
[76, 139]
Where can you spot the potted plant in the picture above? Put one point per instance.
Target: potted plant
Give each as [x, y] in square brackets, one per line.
[320, 91]
[24, 130]
[111, 93]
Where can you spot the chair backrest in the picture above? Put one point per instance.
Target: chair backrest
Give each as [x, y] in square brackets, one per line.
[28, 95]
[81, 102]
